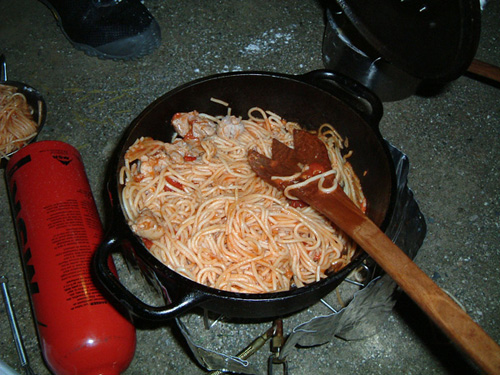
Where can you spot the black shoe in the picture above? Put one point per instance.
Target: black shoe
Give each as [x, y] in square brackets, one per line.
[108, 29]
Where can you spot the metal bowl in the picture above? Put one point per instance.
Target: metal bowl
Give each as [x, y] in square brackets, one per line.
[34, 99]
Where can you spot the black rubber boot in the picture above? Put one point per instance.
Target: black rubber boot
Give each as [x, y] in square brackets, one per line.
[108, 29]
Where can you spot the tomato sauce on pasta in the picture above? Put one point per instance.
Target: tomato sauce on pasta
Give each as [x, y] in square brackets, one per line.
[202, 211]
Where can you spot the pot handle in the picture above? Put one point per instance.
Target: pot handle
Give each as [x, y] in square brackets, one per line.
[351, 92]
[132, 305]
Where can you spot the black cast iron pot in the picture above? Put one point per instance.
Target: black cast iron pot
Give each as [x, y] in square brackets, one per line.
[310, 99]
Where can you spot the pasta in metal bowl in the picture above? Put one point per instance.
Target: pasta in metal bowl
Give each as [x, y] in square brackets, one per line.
[202, 211]
[17, 126]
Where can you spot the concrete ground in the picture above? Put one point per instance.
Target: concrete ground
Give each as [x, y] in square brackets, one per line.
[452, 140]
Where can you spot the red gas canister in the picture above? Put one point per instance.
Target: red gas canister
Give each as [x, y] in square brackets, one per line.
[58, 229]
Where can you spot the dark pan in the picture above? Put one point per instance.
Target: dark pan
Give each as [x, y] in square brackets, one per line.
[311, 99]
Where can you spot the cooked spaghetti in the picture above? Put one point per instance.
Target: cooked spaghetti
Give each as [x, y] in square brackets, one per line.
[17, 126]
[202, 211]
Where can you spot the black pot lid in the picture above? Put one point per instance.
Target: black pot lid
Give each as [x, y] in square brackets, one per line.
[429, 39]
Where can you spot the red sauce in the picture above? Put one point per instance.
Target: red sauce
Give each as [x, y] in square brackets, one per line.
[190, 136]
[174, 183]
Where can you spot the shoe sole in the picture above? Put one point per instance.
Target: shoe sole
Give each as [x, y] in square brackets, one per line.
[142, 44]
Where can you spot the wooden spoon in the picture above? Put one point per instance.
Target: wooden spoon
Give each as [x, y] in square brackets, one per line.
[339, 208]
[484, 70]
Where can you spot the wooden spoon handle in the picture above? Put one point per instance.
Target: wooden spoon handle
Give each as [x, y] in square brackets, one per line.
[450, 317]
[432, 300]
[483, 69]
